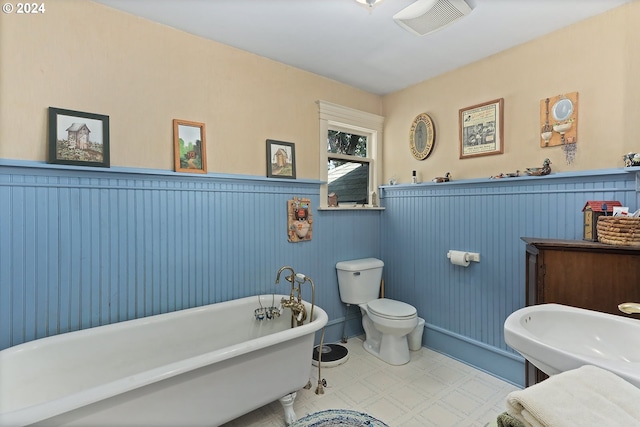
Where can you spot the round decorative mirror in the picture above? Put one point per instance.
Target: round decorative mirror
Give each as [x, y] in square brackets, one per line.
[562, 109]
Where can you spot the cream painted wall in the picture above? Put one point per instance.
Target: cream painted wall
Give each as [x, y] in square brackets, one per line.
[83, 56]
[597, 57]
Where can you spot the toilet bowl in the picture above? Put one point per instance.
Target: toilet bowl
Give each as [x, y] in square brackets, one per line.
[386, 322]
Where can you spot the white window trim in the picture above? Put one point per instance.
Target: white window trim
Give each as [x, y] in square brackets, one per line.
[334, 116]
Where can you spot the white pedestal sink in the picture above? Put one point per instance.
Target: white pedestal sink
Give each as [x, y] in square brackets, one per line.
[558, 338]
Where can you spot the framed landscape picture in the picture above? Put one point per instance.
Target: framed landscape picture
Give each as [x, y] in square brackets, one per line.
[189, 145]
[78, 138]
[281, 159]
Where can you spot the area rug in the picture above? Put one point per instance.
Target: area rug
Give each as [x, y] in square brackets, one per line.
[338, 418]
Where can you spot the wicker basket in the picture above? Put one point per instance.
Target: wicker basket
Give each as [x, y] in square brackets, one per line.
[619, 230]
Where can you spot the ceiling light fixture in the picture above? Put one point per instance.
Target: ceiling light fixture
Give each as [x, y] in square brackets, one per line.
[370, 4]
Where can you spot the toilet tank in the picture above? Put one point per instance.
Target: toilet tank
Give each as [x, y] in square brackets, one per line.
[359, 280]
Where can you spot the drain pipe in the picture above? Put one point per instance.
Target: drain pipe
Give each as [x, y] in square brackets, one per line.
[344, 326]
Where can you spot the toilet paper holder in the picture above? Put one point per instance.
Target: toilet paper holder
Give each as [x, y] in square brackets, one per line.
[468, 256]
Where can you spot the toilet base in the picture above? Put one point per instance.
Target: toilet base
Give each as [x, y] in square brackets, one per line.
[391, 349]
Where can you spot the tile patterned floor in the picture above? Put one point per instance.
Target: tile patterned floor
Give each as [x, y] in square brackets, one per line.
[432, 390]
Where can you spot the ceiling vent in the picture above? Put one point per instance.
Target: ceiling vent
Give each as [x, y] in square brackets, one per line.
[426, 16]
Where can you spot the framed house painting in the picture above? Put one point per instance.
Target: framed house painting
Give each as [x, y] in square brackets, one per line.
[78, 138]
[189, 146]
[281, 159]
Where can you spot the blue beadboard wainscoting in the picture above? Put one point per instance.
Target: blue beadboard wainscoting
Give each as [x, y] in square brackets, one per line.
[83, 247]
[465, 307]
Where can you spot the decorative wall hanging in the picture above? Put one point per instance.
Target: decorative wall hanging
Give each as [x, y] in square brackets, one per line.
[189, 146]
[559, 123]
[281, 159]
[481, 129]
[559, 120]
[77, 138]
[422, 136]
[299, 220]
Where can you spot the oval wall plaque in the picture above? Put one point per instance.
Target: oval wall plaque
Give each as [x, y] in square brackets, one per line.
[422, 136]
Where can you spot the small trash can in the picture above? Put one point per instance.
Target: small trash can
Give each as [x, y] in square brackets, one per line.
[415, 336]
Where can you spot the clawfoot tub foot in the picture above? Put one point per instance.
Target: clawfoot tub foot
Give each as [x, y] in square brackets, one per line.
[287, 405]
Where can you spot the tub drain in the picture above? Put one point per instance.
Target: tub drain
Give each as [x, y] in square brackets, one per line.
[332, 355]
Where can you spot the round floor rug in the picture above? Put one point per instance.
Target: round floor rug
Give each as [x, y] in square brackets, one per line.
[338, 418]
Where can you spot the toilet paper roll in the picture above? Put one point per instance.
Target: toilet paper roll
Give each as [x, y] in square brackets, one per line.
[459, 258]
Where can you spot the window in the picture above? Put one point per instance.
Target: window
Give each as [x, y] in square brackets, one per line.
[349, 144]
[347, 176]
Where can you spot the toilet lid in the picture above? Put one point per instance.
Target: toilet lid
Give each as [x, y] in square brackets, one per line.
[392, 309]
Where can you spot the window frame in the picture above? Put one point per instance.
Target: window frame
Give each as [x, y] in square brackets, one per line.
[345, 119]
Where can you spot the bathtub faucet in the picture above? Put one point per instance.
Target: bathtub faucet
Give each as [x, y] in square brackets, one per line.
[629, 307]
[290, 278]
[298, 310]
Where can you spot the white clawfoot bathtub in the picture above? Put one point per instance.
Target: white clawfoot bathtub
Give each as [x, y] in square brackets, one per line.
[198, 367]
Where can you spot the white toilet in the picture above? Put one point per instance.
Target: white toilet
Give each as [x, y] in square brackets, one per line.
[386, 322]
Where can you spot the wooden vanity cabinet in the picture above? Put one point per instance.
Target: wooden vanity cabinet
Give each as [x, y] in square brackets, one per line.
[581, 274]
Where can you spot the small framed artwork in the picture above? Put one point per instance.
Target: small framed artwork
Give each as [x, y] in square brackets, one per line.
[481, 129]
[281, 159]
[77, 138]
[189, 146]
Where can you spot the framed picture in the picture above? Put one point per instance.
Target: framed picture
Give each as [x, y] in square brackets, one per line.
[189, 146]
[281, 159]
[481, 129]
[77, 138]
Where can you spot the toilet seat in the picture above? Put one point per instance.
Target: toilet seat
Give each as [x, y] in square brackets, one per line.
[392, 309]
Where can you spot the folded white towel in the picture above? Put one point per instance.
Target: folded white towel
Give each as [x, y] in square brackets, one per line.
[586, 397]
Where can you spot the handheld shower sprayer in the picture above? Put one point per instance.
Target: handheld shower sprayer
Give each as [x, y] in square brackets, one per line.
[300, 279]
